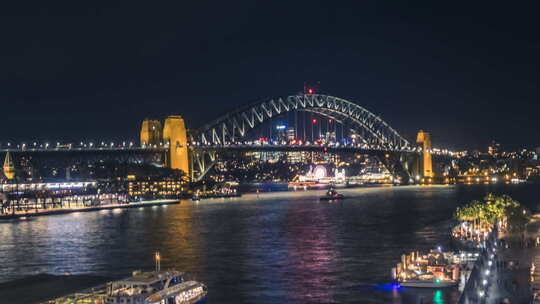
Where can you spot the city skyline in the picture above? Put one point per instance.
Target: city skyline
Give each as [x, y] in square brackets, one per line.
[441, 68]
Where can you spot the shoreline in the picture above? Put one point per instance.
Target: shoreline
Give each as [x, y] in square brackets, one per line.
[44, 212]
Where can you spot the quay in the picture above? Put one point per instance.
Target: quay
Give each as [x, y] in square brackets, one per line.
[507, 270]
[56, 211]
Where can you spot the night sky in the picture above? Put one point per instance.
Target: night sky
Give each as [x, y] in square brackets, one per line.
[468, 73]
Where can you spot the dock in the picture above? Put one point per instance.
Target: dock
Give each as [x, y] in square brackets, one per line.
[57, 211]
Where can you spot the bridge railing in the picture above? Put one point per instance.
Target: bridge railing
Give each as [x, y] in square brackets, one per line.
[88, 146]
[332, 145]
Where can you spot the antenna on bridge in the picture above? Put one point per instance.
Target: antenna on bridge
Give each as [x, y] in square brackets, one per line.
[312, 87]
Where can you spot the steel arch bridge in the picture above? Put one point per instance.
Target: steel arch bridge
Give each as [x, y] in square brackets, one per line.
[235, 125]
[224, 132]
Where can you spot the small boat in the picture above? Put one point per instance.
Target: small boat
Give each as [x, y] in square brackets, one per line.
[332, 194]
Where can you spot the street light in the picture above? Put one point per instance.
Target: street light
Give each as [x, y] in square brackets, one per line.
[314, 121]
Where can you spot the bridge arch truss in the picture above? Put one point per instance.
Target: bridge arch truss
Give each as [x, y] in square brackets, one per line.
[235, 125]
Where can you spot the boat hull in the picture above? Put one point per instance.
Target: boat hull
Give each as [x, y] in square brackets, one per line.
[428, 284]
[331, 198]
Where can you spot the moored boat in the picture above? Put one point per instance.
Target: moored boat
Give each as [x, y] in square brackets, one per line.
[428, 283]
[435, 269]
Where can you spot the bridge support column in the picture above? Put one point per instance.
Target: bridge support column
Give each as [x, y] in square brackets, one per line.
[424, 138]
[175, 133]
[151, 132]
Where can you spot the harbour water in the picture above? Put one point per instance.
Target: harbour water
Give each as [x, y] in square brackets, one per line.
[282, 247]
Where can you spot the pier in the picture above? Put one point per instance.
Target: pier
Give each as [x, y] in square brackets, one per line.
[56, 211]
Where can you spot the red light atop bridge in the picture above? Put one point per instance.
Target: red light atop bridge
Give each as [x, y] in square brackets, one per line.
[310, 91]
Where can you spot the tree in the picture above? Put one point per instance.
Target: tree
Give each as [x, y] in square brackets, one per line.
[492, 209]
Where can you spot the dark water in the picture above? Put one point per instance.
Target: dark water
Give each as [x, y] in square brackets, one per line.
[278, 248]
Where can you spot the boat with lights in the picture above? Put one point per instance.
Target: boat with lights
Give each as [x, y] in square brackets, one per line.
[436, 269]
[331, 195]
[155, 287]
[428, 283]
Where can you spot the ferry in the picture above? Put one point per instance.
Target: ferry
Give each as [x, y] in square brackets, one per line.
[156, 287]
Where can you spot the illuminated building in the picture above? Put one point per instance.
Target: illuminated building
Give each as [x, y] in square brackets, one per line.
[281, 132]
[424, 138]
[151, 132]
[175, 134]
[9, 168]
[162, 188]
[31, 196]
[291, 134]
[298, 157]
[494, 148]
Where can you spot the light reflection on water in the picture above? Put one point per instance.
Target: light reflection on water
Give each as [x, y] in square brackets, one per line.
[275, 248]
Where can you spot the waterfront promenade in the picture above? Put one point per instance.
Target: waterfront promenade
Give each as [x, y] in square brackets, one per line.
[55, 211]
[513, 278]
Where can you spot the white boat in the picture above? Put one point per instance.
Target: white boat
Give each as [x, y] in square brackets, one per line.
[156, 287]
[435, 283]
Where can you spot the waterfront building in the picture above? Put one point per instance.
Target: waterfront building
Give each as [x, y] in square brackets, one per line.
[147, 188]
[298, 157]
[33, 196]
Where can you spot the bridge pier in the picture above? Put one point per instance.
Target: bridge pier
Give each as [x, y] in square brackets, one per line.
[173, 134]
[424, 138]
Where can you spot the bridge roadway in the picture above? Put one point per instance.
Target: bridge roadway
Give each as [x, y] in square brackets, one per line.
[298, 148]
[332, 148]
[86, 149]
[241, 147]
[401, 161]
